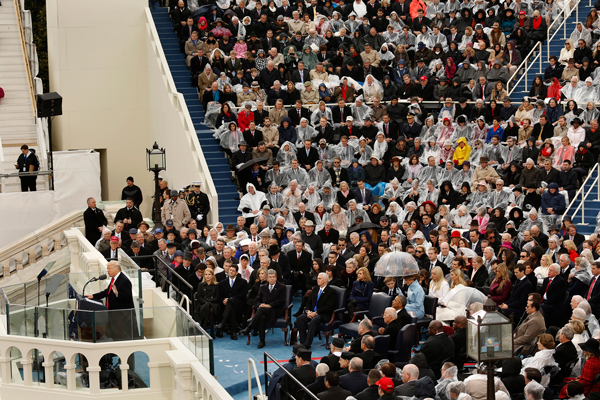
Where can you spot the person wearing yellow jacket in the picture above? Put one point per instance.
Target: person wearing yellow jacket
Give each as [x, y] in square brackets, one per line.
[462, 152]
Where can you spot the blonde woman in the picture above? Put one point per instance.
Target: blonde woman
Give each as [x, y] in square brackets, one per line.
[456, 278]
[339, 218]
[207, 297]
[566, 52]
[541, 272]
[501, 285]
[362, 290]
[438, 287]
[499, 93]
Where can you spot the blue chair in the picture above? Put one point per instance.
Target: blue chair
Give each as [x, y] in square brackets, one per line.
[379, 302]
[430, 304]
[337, 318]
[285, 322]
[382, 345]
[404, 344]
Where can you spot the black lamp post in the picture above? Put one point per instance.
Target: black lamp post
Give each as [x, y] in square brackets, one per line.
[489, 340]
[156, 161]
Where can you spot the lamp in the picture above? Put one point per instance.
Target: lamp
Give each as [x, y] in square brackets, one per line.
[156, 161]
[489, 340]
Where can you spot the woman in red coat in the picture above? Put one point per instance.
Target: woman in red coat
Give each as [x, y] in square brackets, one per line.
[590, 369]
[501, 285]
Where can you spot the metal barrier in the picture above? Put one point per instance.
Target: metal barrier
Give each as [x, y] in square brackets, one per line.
[290, 376]
[28, 173]
[584, 195]
[523, 67]
[252, 364]
[565, 15]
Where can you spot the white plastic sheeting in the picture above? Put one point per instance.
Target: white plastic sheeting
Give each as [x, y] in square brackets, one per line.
[23, 213]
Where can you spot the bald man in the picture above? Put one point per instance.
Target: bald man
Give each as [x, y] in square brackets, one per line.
[438, 348]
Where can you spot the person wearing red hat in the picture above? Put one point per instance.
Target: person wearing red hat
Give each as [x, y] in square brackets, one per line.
[111, 253]
[386, 388]
[424, 91]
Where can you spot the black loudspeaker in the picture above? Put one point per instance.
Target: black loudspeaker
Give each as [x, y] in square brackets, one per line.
[49, 105]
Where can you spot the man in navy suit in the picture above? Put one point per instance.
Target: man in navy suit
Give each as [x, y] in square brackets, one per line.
[121, 324]
[593, 294]
[475, 242]
[319, 309]
[518, 297]
[362, 194]
[269, 305]
[232, 294]
[553, 293]
[307, 156]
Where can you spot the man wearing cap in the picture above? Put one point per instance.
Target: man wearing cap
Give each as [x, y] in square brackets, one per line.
[333, 359]
[304, 372]
[411, 129]
[132, 191]
[386, 389]
[112, 253]
[176, 210]
[485, 173]
[198, 204]
[419, 71]
[313, 240]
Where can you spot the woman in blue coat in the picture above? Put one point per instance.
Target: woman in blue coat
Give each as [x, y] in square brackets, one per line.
[362, 290]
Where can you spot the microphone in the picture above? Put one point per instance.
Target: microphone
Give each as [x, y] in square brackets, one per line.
[94, 279]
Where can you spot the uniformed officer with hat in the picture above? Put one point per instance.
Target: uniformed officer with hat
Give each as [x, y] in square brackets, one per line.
[198, 204]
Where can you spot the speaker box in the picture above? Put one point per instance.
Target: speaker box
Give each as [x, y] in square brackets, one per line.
[49, 105]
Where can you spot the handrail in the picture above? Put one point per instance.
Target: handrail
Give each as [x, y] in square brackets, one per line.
[187, 302]
[582, 190]
[290, 376]
[563, 22]
[252, 364]
[526, 69]
[178, 102]
[18, 12]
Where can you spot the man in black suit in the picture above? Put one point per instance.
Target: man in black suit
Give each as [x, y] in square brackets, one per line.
[372, 392]
[328, 234]
[300, 265]
[301, 74]
[553, 292]
[410, 374]
[518, 297]
[333, 360]
[478, 273]
[285, 10]
[283, 261]
[342, 249]
[432, 254]
[304, 373]
[307, 156]
[318, 386]
[94, 220]
[438, 348]
[365, 328]
[362, 194]
[543, 129]
[459, 337]
[136, 250]
[112, 253]
[572, 234]
[369, 356]
[211, 95]
[419, 21]
[269, 305]
[564, 353]
[337, 173]
[298, 112]
[475, 242]
[334, 391]
[129, 214]
[566, 265]
[593, 294]
[390, 317]
[355, 380]
[340, 112]
[302, 213]
[232, 294]
[121, 324]
[319, 309]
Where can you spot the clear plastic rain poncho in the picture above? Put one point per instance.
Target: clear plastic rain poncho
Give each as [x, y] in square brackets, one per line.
[461, 297]
[360, 112]
[229, 139]
[345, 153]
[336, 24]
[395, 209]
[431, 149]
[449, 173]
[429, 194]
[380, 146]
[587, 92]
[581, 32]
[274, 197]
[393, 190]
[355, 211]
[478, 132]
[391, 37]
[304, 131]
[279, 178]
[352, 24]
[371, 88]
[479, 199]
[318, 177]
[444, 132]
[396, 263]
[461, 177]
[530, 221]
[316, 115]
[287, 153]
[321, 219]
[499, 199]
[428, 132]
[448, 376]
[364, 150]
[583, 271]
[311, 198]
[430, 173]
[287, 216]
[212, 112]
[570, 90]
[465, 130]
[299, 175]
[424, 37]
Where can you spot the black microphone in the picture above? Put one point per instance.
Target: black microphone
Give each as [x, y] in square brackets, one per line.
[94, 279]
[102, 277]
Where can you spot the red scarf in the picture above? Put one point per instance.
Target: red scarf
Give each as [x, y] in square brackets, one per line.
[547, 151]
[537, 21]
[521, 21]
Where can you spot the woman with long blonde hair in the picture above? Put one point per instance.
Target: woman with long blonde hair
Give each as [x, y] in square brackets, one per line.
[456, 277]
[362, 290]
[438, 287]
[207, 297]
[501, 285]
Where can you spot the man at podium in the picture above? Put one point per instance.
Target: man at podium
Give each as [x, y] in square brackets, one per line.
[121, 325]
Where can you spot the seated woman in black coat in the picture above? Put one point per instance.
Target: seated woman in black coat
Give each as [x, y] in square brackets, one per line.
[207, 297]
[228, 94]
[225, 116]
[448, 196]
[511, 376]
[261, 278]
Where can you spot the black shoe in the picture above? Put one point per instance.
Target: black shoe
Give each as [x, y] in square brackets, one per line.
[219, 333]
[219, 327]
[255, 333]
[261, 344]
[233, 336]
[246, 331]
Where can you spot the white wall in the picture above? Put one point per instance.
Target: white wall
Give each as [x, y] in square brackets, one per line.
[96, 56]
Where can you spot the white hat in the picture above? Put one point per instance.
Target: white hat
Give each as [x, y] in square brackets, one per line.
[349, 119]
[245, 242]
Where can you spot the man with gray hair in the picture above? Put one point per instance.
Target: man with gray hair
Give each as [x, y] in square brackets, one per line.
[564, 353]
[553, 291]
[319, 308]
[410, 374]
[390, 317]
[365, 328]
[318, 386]
[269, 305]
[368, 355]
[454, 389]
[355, 244]
[356, 380]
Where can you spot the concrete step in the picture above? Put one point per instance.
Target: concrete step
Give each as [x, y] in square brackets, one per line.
[6, 75]
[17, 116]
[9, 34]
[15, 101]
[10, 108]
[7, 67]
[6, 128]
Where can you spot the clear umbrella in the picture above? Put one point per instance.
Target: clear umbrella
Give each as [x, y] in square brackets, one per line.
[396, 263]
[467, 252]
[461, 297]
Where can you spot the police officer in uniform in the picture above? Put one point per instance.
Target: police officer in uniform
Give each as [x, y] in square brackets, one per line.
[198, 204]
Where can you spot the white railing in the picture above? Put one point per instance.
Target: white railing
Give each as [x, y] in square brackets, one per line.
[565, 13]
[584, 195]
[524, 67]
[179, 104]
[26, 37]
[252, 367]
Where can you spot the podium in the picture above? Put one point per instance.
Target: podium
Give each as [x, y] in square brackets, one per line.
[93, 318]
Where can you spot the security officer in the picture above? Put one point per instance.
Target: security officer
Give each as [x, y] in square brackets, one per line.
[198, 204]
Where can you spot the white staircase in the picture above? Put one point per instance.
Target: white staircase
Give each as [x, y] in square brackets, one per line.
[17, 121]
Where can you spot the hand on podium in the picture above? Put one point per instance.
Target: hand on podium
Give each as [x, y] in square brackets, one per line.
[89, 296]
